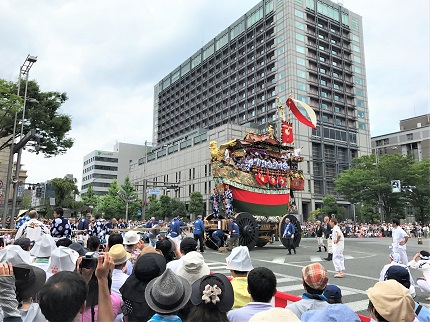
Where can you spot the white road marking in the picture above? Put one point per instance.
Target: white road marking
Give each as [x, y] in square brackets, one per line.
[358, 305]
[290, 288]
[279, 260]
[316, 259]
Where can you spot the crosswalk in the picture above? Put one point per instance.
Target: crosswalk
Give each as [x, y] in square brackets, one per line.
[356, 299]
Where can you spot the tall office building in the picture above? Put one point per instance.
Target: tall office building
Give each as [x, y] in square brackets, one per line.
[101, 168]
[312, 49]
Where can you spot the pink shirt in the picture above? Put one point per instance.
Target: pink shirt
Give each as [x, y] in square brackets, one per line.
[116, 304]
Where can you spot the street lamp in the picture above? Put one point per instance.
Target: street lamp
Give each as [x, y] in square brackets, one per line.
[23, 71]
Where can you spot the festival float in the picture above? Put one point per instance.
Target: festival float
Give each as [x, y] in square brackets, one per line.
[256, 177]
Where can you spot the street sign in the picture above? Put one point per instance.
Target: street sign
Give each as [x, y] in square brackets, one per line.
[20, 189]
[154, 192]
[52, 201]
[395, 186]
[1, 184]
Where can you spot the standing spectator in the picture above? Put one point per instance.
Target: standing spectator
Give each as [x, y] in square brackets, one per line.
[239, 264]
[198, 232]
[212, 297]
[188, 244]
[400, 238]
[233, 232]
[421, 261]
[100, 230]
[166, 295]
[262, 288]
[315, 280]
[135, 307]
[391, 301]
[62, 259]
[120, 256]
[32, 229]
[114, 239]
[133, 245]
[24, 243]
[288, 234]
[93, 244]
[60, 226]
[193, 267]
[338, 247]
[328, 237]
[319, 231]
[42, 251]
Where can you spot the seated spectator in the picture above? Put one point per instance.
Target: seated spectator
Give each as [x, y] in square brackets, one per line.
[315, 280]
[332, 313]
[166, 295]
[65, 242]
[401, 275]
[421, 261]
[62, 259]
[15, 255]
[275, 314]
[42, 251]
[24, 243]
[333, 294]
[391, 301]
[120, 256]
[187, 245]
[147, 267]
[192, 267]
[93, 244]
[239, 264]
[27, 288]
[212, 297]
[262, 288]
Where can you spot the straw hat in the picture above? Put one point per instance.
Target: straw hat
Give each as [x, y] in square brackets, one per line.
[119, 254]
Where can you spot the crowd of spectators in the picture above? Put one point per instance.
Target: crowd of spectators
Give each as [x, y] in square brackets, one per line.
[364, 230]
[125, 279]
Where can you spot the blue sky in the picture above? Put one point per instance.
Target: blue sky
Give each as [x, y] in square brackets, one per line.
[107, 55]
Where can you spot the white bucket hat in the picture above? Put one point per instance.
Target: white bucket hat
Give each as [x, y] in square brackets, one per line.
[62, 259]
[43, 247]
[14, 254]
[239, 259]
[131, 238]
[192, 267]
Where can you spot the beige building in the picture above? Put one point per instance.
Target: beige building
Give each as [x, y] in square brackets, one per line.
[412, 139]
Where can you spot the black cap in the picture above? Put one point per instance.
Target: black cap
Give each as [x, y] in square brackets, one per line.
[398, 273]
[23, 242]
[332, 292]
[188, 244]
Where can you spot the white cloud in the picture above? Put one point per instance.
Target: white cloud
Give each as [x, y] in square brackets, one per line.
[107, 55]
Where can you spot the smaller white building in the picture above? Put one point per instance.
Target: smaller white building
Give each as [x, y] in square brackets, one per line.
[101, 167]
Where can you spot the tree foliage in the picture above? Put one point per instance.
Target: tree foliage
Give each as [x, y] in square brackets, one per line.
[44, 116]
[196, 206]
[419, 198]
[165, 207]
[370, 178]
[330, 206]
[65, 190]
[89, 199]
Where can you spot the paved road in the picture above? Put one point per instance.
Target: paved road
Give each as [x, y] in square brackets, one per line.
[364, 259]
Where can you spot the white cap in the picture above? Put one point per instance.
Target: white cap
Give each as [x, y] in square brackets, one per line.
[14, 254]
[192, 267]
[239, 259]
[62, 259]
[131, 238]
[44, 246]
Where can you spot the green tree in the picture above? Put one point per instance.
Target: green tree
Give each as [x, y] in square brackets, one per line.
[419, 198]
[26, 202]
[111, 205]
[315, 215]
[153, 207]
[89, 198]
[65, 190]
[196, 206]
[165, 209]
[178, 207]
[368, 214]
[369, 179]
[330, 206]
[44, 116]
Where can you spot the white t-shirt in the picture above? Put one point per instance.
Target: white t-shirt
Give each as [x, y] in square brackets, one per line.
[118, 279]
[399, 236]
[173, 265]
[335, 233]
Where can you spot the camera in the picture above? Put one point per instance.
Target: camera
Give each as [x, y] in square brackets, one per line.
[90, 260]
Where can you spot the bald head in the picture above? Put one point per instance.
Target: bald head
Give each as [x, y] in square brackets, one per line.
[32, 214]
[326, 219]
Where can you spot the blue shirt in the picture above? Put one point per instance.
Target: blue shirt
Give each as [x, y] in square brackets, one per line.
[149, 224]
[199, 227]
[175, 228]
[170, 318]
[289, 230]
[234, 229]
[245, 313]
